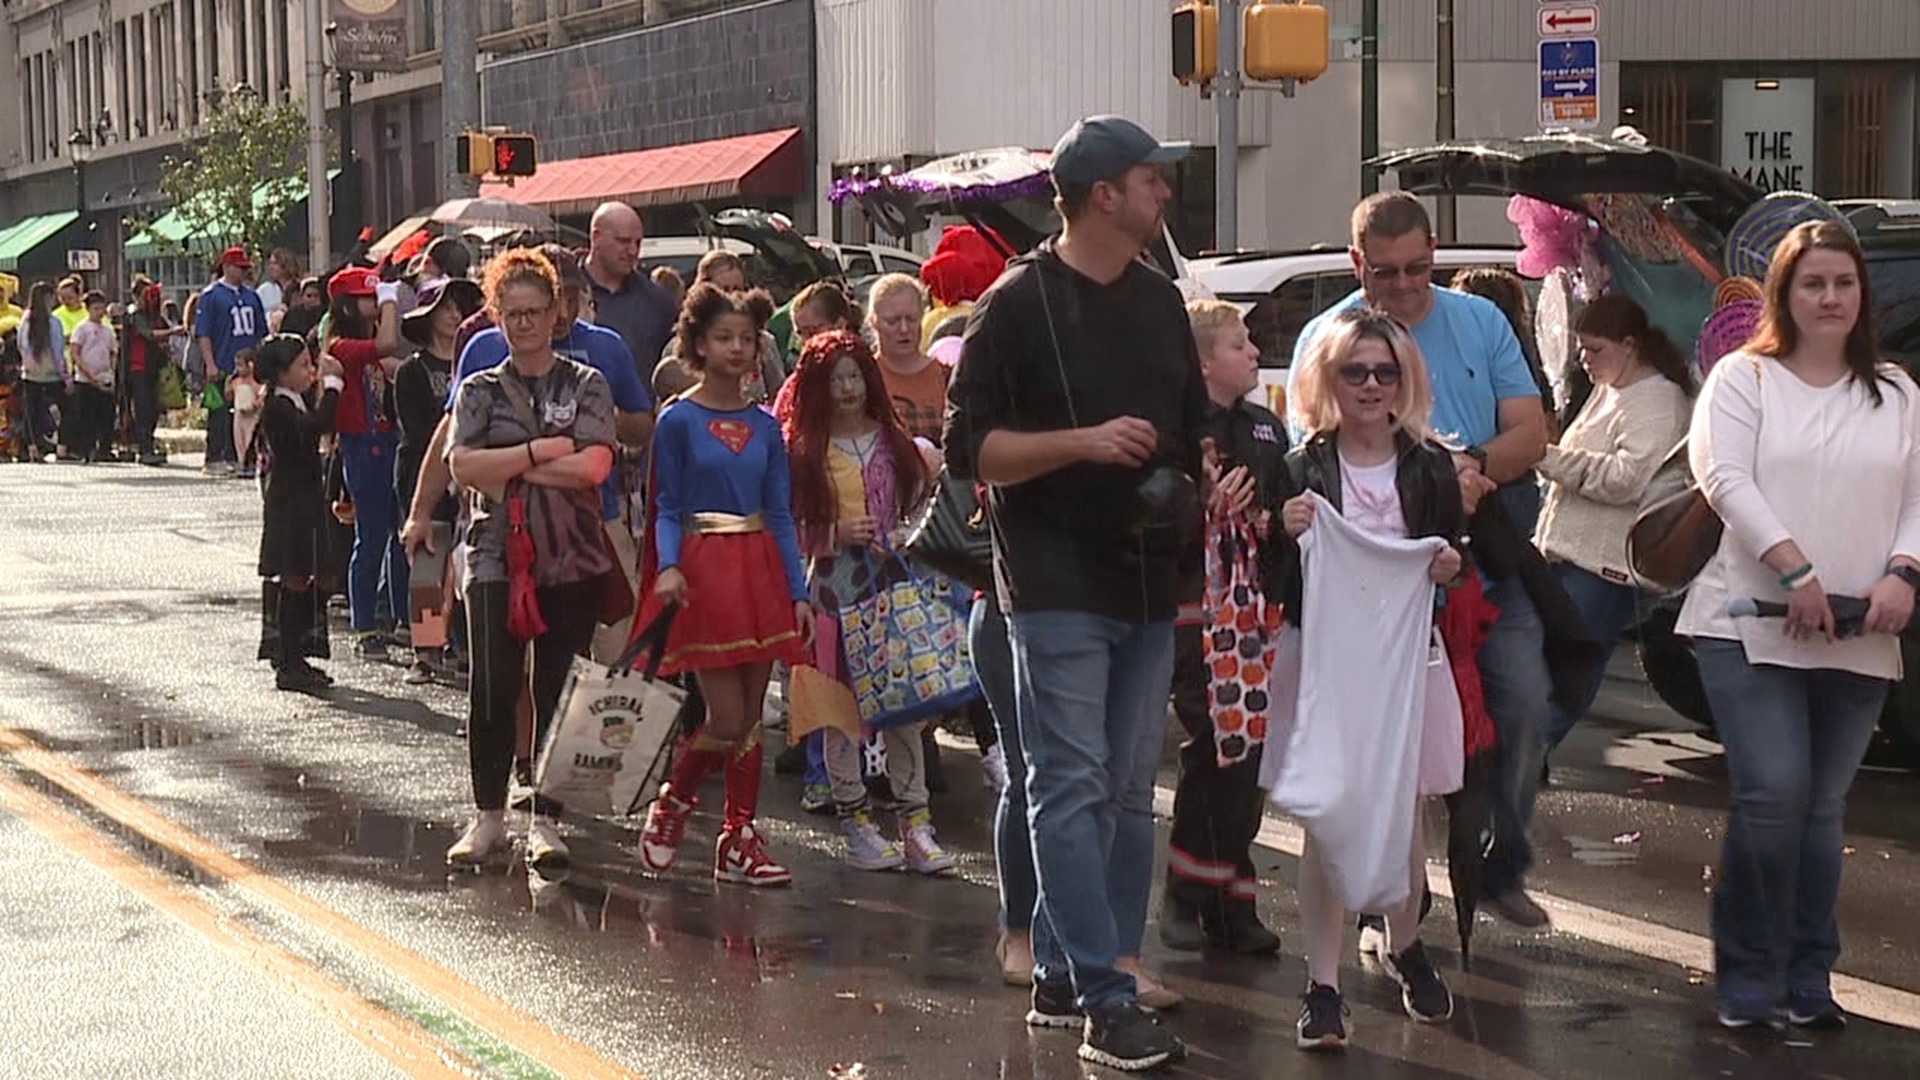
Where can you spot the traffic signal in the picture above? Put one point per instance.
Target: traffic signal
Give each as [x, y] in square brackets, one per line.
[514, 155]
[1285, 41]
[481, 154]
[1196, 42]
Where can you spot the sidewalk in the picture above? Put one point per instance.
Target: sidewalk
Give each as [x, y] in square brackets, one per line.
[181, 440]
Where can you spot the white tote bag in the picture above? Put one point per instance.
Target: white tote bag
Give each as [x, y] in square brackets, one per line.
[606, 751]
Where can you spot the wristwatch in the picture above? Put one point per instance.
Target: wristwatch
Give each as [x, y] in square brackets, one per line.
[1478, 454]
[1907, 574]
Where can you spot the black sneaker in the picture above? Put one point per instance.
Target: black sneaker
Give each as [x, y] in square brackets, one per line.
[1054, 1005]
[1518, 909]
[1815, 1010]
[1180, 927]
[1425, 997]
[1129, 1038]
[301, 681]
[1323, 1023]
[1241, 931]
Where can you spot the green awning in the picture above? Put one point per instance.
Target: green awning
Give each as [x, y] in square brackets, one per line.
[29, 233]
[165, 237]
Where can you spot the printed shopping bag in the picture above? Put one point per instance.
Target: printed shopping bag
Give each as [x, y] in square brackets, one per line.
[606, 751]
[906, 646]
[1242, 633]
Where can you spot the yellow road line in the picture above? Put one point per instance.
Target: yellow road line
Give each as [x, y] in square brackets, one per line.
[523, 1032]
[407, 1046]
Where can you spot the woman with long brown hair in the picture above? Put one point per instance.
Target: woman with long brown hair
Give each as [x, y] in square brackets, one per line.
[1808, 447]
[856, 476]
[1599, 469]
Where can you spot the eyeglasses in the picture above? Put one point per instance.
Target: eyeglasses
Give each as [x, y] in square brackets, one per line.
[522, 316]
[1356, 375]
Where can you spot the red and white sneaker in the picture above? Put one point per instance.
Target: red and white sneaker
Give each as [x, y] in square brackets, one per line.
[741, 858]
[666, 827]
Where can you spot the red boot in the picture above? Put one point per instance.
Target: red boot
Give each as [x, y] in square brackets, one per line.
[740, 857]
[693, 762]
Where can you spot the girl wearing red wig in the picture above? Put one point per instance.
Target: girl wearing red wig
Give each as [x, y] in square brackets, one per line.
[856, 476]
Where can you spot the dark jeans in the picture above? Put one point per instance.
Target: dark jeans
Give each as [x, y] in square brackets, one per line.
[1216, 810]
[1514, 676]
[220, 436]
[90, 432]
[1607, 608]
[1012, 843]
[144, 389]
[37, 411]
[500, 674]
[1794, 740]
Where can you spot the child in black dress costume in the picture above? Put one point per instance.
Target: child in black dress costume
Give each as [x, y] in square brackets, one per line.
[295, 544]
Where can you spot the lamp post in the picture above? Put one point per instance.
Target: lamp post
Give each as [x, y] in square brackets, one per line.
[80, 148]
[347, 222]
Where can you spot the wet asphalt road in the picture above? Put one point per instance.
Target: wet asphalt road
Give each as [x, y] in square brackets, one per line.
[318, 906]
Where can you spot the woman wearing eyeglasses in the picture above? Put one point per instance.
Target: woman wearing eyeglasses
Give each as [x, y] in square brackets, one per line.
[1362, 397]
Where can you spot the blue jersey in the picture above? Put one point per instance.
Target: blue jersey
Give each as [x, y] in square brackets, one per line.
[1473, 360]
[233, 319]
[596, 347]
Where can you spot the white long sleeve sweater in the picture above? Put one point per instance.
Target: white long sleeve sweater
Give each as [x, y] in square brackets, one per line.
[1778, 460]
[1600, 469]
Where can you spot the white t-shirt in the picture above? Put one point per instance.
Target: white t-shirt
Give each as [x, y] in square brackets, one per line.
[94, 342]
[1371, 498]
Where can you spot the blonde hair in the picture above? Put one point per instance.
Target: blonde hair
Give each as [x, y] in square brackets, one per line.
[891, 284]
[1208, 318]
[1312, 400]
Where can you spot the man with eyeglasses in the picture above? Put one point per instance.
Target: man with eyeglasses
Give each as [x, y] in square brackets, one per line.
[1485, 403]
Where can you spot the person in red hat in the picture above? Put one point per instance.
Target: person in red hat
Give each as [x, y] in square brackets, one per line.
[363, 334]
[228, 319]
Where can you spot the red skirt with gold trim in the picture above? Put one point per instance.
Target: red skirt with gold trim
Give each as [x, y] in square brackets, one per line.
[738, 610]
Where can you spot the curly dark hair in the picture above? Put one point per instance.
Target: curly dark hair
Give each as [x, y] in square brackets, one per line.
[707, 302]
[275, 355]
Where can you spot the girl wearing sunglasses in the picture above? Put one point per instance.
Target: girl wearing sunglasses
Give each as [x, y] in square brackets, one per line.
[1362, 397]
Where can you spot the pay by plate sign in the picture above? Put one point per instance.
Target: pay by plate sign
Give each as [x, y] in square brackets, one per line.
[1570, 83]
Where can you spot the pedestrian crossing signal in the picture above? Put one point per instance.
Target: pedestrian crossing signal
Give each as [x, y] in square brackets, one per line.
[1196, 43]
[513, 155]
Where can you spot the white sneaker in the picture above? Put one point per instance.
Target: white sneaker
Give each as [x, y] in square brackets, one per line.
[1373, 942]
[867, 848]
[994, 764]
[544, 846]
[924, 852]
[485, 837]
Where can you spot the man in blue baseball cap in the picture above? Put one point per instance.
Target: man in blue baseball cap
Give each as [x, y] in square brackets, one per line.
[1079, 401]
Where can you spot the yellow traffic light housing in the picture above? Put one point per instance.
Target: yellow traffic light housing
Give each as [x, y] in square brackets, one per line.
[1286, 41]
[1196, 42]
[474, 152]
[483, 154]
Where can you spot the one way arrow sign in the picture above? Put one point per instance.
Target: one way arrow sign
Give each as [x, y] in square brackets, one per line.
[1569, 20]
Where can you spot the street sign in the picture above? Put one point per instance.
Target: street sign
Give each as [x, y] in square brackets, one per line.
[85, 259]
[1570, 83]
[1569, 20]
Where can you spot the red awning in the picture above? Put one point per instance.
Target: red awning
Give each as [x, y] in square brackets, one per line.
[767, 163]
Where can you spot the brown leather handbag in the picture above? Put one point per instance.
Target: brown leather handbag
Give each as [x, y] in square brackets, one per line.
[1676, 532]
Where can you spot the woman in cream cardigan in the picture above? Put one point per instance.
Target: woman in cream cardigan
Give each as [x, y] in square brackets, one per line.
[1600, 468]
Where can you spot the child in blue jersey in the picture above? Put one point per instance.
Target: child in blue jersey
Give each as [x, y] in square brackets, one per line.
[722, 547]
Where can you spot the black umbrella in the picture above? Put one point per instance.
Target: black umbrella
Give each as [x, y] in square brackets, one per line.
[1469, 839]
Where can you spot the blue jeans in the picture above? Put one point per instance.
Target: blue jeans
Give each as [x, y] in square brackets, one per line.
[1607, 607]
[1513, 674]
[1794, 740]
[378, 562]
[1091, 694]
[1012, 846]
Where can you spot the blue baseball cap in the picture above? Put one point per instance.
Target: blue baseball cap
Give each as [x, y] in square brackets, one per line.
[1103, 147]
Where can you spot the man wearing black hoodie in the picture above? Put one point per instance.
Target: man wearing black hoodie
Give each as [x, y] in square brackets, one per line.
[1079, 402]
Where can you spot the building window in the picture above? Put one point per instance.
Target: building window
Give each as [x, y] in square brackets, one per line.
[1674, 105]
[426, 25]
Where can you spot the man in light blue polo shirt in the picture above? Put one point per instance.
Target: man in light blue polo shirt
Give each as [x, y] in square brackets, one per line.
[1486, 403]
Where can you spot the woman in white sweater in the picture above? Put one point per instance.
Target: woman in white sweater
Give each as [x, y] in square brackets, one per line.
[1809, 449]
[1596, 474]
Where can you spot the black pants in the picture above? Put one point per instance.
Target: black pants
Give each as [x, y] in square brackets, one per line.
[39, 400]
[500, 671]
[90, 435]
[144, 393]
[1216, 811]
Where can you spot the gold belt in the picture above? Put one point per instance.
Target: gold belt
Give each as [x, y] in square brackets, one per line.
[712, 523]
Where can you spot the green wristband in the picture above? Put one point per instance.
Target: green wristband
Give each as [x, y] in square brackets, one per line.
[1789, 580]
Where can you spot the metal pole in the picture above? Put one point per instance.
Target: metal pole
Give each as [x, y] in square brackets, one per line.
[1446, 219]
[1226, 100]
[350, 214]
[459, 90]
[1369, 95]
[317, 194]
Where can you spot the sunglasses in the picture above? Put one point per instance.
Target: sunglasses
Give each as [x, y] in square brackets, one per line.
[1357, 374]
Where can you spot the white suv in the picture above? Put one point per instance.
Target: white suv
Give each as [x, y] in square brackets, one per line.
[1281, 290]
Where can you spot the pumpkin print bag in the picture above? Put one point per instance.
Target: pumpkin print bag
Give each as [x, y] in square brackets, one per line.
[1242, 635]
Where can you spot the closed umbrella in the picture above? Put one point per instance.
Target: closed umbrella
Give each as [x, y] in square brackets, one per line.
[1464, 624]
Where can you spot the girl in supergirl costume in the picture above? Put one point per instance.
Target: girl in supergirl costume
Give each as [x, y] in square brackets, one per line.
[856, 476]
[723, 552]
[295, 548]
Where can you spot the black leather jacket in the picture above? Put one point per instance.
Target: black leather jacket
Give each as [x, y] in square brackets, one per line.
[1247, 434]
[1429, 495]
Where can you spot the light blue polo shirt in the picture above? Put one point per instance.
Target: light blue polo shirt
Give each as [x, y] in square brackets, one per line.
[1472, 357]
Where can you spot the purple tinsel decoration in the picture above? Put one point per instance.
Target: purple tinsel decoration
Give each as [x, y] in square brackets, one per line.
[1039, 183]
